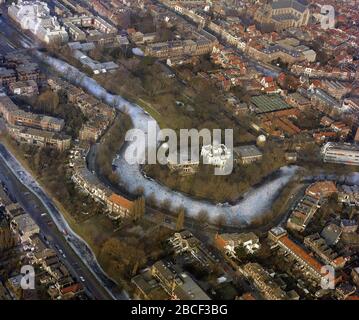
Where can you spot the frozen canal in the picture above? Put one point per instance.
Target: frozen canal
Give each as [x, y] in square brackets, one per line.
[254, 203]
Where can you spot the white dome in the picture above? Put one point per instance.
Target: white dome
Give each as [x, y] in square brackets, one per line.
[261, 139]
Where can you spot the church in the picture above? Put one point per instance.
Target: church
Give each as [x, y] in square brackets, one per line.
[283, 14]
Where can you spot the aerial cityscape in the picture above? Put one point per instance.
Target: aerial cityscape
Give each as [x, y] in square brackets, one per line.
[179, 150]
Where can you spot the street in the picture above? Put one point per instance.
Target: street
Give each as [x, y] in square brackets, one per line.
[50, 233]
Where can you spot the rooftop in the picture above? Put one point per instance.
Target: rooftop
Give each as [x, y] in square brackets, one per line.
[269, 103]
[121, 201]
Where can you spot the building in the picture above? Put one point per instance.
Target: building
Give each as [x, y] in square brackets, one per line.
[179, 285]
[268, 103]
[331, 233]
[89, 183]
[348, 194]
[310, 265]
[247, 154]
[264, 282]
[303, 213]
[164, 280]
[90, 28]
[299, 101]
[15, 116]
[78, 50]
[321, 189]
[343, 153]
[309, 204]
[320, 247]
[344, 290]
[7, 76]
[283, 14]
[25, 226]
[349, 226]
[40, 138]
[201, 43]
[231, 241]
[119, 206]
[184, 163]
[216, 155]
[35, 16]
[24, 88]
[185, 242]
[13, 285]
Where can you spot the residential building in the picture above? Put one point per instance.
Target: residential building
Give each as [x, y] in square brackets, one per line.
[185, 242]
[39, 138]
[303, 213]
[178, 285]
[24, 88]
[35, 16]
[119, 206]
[320, 247]
[311, 266]
[348, 194]
[89, 28]
[349, 226]
[25, 226]
[231, 241]
[264, 282]
[89, 183]
[331, 233]
[7, 76]
[15, 116]
[321, 189]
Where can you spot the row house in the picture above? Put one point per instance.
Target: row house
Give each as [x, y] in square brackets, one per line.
[90, 184]
[264, 282]
[24, 88]
[311, 266]
[39, 138]
[119, 206]
[319, 246]
[7, 76]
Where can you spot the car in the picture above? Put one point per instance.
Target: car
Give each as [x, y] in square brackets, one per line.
[82, 279]
[64, 256]
[43, 214]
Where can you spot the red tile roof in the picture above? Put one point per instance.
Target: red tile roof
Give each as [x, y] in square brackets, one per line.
[121, 201]
[315, 264]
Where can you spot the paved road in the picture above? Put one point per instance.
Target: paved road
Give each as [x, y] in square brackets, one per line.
[5, 45]
[49, 230]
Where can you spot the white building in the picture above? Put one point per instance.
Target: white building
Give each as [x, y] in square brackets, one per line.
[216, 155]
[341, 153]
[35, 16]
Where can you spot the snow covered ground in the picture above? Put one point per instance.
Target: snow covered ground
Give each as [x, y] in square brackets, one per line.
[254, 203]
